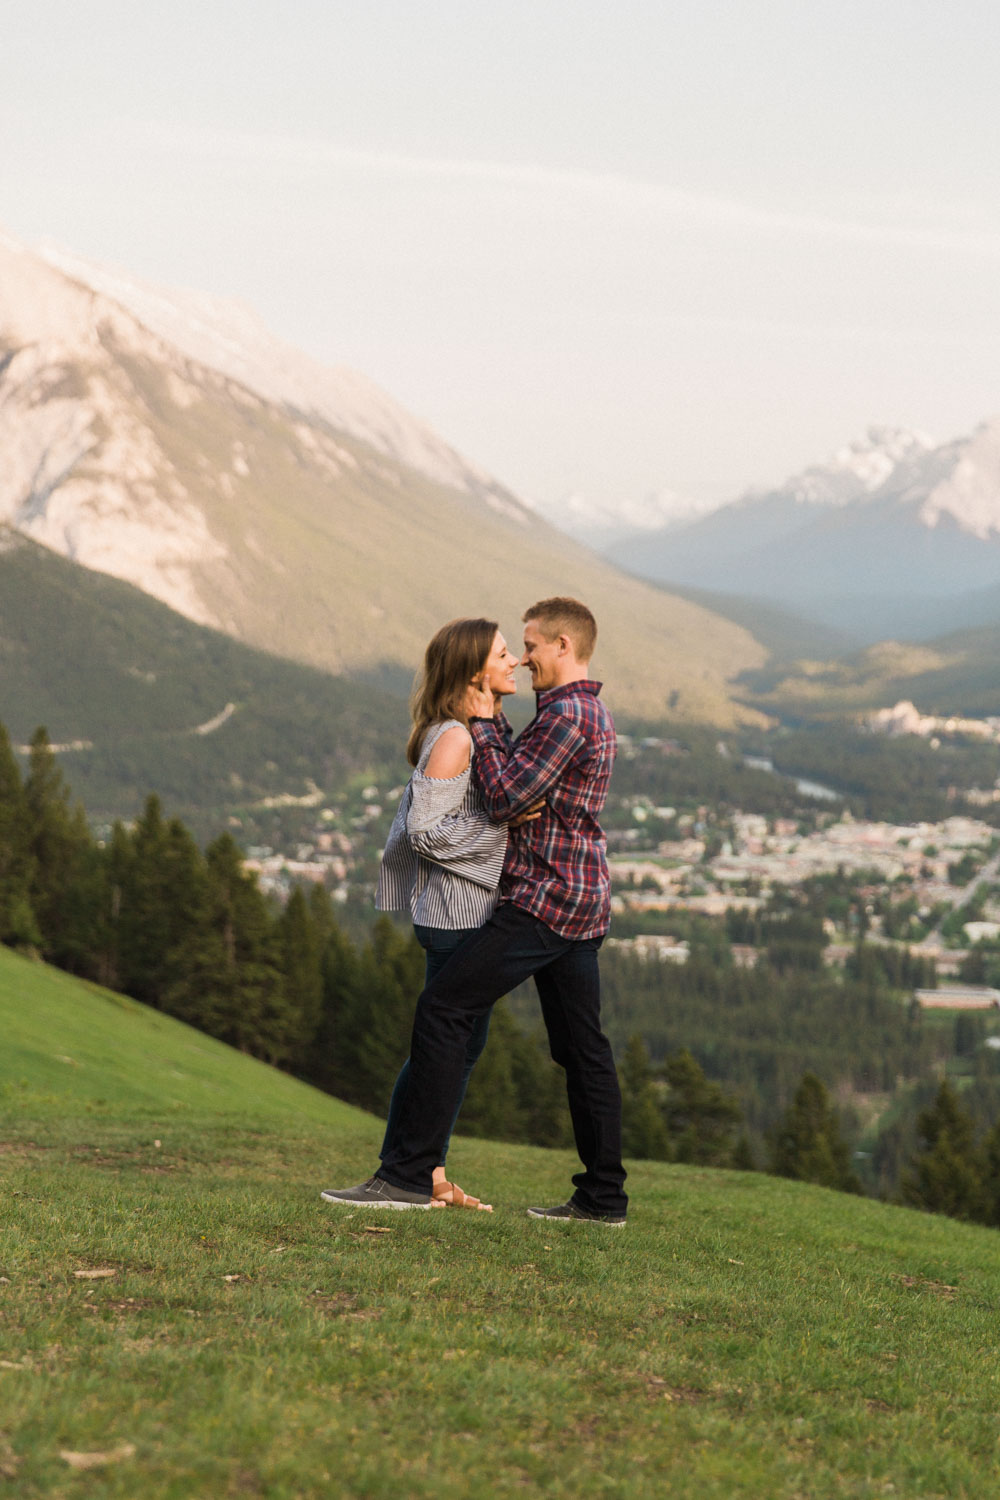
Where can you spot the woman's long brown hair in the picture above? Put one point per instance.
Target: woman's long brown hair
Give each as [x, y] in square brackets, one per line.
[455, 655]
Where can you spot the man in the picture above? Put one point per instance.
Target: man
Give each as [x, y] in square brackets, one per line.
[553, 913]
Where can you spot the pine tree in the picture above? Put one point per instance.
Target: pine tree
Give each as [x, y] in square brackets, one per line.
[492, 1107]
[329, 1063]
[300, 964]
[701, 1117]
[158, 892]
[949, 1175]
[644, 1130]
[541, 1089]
[237, 970]
[991, 1176]
[18, 924]
[59, 843]
[808, 1144]
[119, 858]
[375, 1003]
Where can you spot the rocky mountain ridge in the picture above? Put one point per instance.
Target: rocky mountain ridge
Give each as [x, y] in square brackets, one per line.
[323, 533]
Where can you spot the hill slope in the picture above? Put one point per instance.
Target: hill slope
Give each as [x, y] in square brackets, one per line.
[162, 704]
[316, 531]
[183, 1315]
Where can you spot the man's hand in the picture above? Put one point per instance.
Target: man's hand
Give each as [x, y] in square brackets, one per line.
[528, 814]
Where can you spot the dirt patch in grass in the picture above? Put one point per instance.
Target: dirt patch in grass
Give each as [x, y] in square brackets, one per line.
[9, 1460]
[662, 1390]
[342, 1305]
[924, 1284]
[132, 1305]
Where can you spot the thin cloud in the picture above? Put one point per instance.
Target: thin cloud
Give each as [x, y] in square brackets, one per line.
[653, 197]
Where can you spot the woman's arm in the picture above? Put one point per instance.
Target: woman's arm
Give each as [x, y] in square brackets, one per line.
[465, 843]
[450, 754]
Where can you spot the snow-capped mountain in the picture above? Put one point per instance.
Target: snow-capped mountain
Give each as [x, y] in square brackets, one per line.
[854, 471]
[173, 442]
[882, 539]
[601, 523]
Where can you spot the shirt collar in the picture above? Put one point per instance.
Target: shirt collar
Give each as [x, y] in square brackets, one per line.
[582, 685]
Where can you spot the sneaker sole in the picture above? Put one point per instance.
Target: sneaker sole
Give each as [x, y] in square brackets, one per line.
[369, 1203]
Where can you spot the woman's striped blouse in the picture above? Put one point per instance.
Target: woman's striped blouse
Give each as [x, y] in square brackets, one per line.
[443, 857]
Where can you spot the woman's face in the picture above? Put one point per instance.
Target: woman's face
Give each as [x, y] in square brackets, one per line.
[498, 674]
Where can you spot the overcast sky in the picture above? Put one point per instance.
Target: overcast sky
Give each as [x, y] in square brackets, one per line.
[608, 247]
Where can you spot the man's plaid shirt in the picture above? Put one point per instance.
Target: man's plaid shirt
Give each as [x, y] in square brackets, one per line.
[556, 867]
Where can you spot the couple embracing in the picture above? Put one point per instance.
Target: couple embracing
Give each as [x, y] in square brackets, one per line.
[498, 853]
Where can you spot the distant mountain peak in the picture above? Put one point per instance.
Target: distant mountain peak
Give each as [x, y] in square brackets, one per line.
[598, 521]
[969, 491]
[855, 470]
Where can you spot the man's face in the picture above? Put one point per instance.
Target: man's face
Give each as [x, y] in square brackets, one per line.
[543, 658]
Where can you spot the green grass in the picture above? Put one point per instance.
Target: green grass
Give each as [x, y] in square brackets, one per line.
[743, 1336]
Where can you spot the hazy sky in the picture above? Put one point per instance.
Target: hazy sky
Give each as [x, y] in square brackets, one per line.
[610, 247]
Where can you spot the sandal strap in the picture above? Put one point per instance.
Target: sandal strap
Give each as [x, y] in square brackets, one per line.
[459, 1199]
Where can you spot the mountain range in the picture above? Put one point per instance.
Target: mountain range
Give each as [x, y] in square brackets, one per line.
[893, 536]
[170, 441]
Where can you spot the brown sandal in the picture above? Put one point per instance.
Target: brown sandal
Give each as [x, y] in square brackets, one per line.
[450, 1195]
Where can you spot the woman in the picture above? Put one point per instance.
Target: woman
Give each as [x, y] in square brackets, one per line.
[443, 858]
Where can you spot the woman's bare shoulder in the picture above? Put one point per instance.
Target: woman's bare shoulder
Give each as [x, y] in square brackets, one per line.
[451, 754]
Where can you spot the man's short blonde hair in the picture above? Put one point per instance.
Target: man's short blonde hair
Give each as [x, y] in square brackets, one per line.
[562, 616]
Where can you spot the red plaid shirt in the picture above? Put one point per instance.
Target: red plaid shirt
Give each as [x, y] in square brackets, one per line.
[556, 867]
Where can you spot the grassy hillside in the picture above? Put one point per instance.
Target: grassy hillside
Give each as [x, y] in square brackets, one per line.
[96, 660]
[181, 1312]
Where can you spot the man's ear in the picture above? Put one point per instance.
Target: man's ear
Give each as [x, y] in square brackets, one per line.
[565, 645]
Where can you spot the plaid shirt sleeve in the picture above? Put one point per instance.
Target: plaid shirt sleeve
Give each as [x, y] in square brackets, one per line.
[511, 778]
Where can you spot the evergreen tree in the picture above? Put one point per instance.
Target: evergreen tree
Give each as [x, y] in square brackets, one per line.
[541, 1088]
[300, 964]
[701, 1117]
[948, 1175]
[743, 1157]
[808, 1144]
[60, 893]
[18, 924]
[991, 1176]
[119, 858]
[327, 1066]
[374, 1004]
[493, 1106]
[644, 1130]
[234, 975]
[157, 890]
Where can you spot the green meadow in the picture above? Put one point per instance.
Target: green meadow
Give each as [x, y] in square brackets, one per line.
[181, 1316]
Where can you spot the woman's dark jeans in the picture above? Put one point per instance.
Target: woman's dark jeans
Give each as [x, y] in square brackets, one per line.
[439, 943]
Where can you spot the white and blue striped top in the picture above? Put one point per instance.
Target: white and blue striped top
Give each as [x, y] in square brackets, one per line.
[443, 856]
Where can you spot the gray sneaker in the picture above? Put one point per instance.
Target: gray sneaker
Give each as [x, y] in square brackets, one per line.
[376, 1193]
[566, 1212]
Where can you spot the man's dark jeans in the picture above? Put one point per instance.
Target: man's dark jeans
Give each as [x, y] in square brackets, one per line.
[511, 947]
